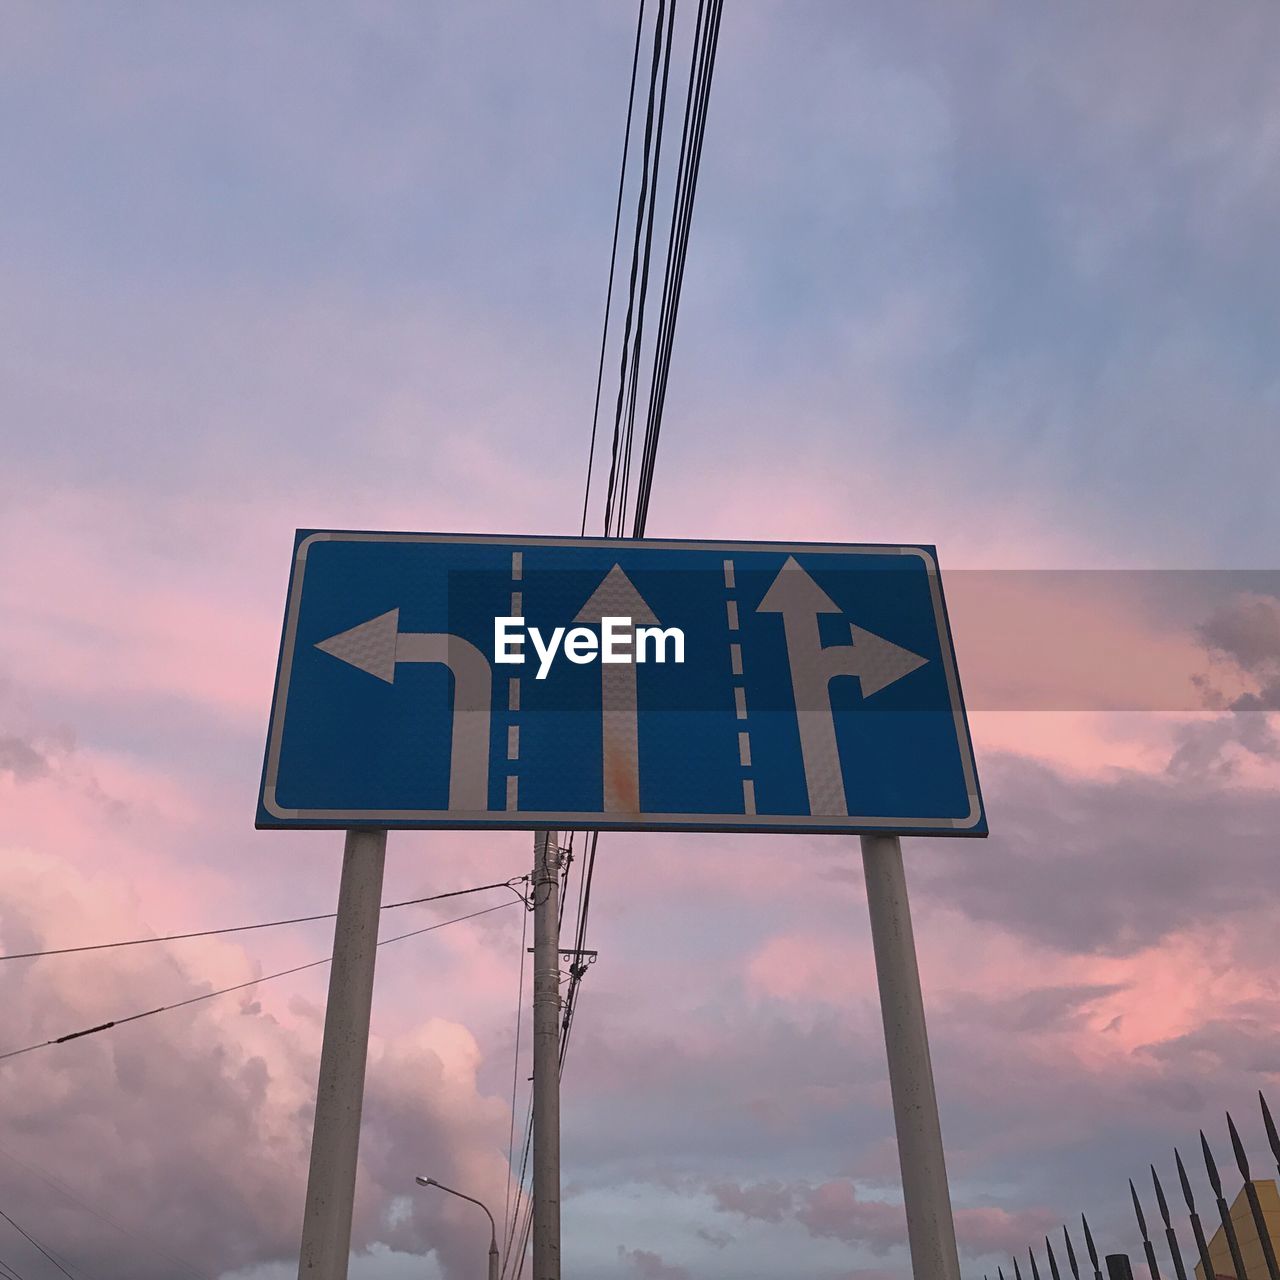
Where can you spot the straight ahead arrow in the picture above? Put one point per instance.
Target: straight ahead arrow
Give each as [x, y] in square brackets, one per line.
[617, 597]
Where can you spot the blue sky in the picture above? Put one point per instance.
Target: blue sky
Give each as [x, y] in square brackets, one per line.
[997, 279]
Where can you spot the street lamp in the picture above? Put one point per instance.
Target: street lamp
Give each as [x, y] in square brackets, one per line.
[493, 1230]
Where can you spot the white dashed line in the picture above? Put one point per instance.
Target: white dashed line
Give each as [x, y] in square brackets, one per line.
[739, 693]
[513, 690]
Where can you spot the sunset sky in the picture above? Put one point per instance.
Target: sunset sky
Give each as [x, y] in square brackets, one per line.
[997, 278]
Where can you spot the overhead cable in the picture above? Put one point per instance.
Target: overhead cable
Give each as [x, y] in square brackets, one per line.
[240, 986]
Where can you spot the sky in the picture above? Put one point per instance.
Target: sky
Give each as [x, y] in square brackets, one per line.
[999, 279]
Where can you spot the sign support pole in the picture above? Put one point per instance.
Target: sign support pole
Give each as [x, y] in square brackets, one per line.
[930, 1228]
[335, 1140]
[546, 1056]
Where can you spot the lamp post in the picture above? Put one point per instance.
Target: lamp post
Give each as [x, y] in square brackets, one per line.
[493, 1230]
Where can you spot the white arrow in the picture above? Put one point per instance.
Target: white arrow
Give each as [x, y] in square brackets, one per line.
[617, 597]
[377, 645]
[875, 661]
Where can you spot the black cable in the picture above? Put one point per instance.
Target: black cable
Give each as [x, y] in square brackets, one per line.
[37, 1244]
[516, 1229]
[635, 265]
[644, 277]
[65, 1190]
[240, 986]
[8, 1272]
[579, 968]
[706, 43]
[266, 924]
[613, 262]
[515, 1071]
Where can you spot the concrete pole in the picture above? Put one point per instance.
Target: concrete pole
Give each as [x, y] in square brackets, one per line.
[335, 1139]
[546, 1057]
[930, 1229]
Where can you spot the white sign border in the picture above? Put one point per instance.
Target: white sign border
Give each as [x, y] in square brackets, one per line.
[523, 819]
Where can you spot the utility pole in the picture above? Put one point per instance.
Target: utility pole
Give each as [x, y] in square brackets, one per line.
[335, 1141]
[546, 1056]
[931, 1232]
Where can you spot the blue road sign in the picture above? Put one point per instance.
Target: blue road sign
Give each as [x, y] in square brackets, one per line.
[443, 680]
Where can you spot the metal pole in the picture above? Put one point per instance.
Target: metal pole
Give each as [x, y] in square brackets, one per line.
[930, 1229]
[493, 1226]
[546, 1057]
[335, 1139]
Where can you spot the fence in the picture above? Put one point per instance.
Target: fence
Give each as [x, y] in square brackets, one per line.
[1262, 1265]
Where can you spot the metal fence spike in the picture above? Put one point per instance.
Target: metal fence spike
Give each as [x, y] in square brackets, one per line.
[1170, 1235]
[1053, 1262]
[1017, 1275]
[1255, 1205]
[1035, 1271]
[1273, 1138]
[1000, 1272]
[1146, 1239]
[1161, 1203]
[1224, 1213]
[1242, 1160]
[1186, 1185]
[1214, 1181]
[1137, 1208]
[1071, 1254]
[1093, 1252]
[1197, 1229]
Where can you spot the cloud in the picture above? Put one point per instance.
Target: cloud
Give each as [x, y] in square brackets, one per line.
[19, 758]
[650, 1266]
[191, 1129]
[836, 1210]
[1109, 865]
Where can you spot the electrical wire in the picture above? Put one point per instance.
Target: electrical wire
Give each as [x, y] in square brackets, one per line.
[8, 1272]
[65, 1190]
[240, 986]
[521, 1193]
[28, 1236]
[701, 71]
[244, 928]
[613, 262]
[614, 470]
[644, 277]
[515, 1072]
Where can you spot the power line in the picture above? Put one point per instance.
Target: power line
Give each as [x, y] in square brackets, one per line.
[515, 1072]
[613, 262]
[616, 459]
[240, 986]
[37, 1244]
[65, 1190]
[244, 928]
[8, 1272]
[701, 70]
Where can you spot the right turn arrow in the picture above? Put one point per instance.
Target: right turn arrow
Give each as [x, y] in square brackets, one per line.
[876, 662]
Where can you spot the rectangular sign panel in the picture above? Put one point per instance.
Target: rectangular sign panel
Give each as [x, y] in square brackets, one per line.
[433, 680]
